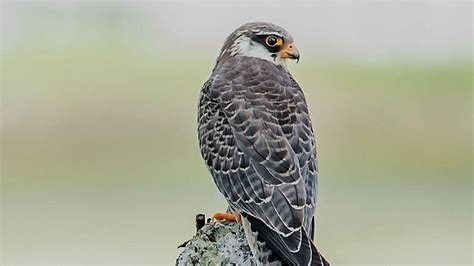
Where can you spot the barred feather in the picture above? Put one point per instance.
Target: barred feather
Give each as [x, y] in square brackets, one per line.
[256, 137]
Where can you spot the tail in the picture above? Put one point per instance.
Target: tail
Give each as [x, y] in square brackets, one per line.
[269, 247]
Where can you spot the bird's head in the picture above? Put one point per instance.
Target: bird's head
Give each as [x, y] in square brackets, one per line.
[260, 40]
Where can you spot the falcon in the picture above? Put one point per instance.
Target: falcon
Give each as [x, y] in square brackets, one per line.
[256, 137]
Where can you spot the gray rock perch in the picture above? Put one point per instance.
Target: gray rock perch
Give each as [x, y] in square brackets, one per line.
[217, 243]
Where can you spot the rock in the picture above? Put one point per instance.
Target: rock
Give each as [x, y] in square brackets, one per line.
[217, 243]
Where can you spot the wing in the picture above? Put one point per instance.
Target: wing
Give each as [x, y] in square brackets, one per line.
[264, 237]
[256, 137]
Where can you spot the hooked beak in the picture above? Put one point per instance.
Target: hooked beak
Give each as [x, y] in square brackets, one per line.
[289, 51]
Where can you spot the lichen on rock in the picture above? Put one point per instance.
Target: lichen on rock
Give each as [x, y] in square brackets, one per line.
[217, 243]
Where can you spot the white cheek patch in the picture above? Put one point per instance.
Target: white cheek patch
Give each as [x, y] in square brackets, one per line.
[246, 47]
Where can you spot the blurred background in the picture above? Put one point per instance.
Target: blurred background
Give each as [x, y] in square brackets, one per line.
[100, 163]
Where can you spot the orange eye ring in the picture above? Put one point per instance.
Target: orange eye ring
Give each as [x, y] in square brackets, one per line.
[272, 41]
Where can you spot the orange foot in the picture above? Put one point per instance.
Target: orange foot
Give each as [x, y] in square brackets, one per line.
[230, 217]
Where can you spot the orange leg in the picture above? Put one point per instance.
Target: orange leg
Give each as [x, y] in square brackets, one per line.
[230, 217]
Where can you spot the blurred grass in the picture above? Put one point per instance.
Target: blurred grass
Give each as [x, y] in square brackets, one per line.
[97, 101]
[99, 153]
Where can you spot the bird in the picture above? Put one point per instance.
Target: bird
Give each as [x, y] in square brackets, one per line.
[257, 140]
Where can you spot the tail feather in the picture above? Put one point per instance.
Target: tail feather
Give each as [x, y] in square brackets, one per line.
[306, 254]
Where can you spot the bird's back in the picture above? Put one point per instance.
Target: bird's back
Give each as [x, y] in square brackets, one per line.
[245, 100]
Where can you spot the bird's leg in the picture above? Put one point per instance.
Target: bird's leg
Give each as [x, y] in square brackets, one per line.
[230, 217]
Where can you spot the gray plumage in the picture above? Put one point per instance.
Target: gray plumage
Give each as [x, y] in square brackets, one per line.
[256, 137]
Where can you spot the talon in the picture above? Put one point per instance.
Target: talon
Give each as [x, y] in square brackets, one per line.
[238, 217]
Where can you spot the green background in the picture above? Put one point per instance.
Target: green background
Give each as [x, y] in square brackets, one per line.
[100, 163]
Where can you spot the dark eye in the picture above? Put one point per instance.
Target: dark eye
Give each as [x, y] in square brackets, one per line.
[271, 41]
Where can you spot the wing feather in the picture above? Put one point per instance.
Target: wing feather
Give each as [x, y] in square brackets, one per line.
[257, 140]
